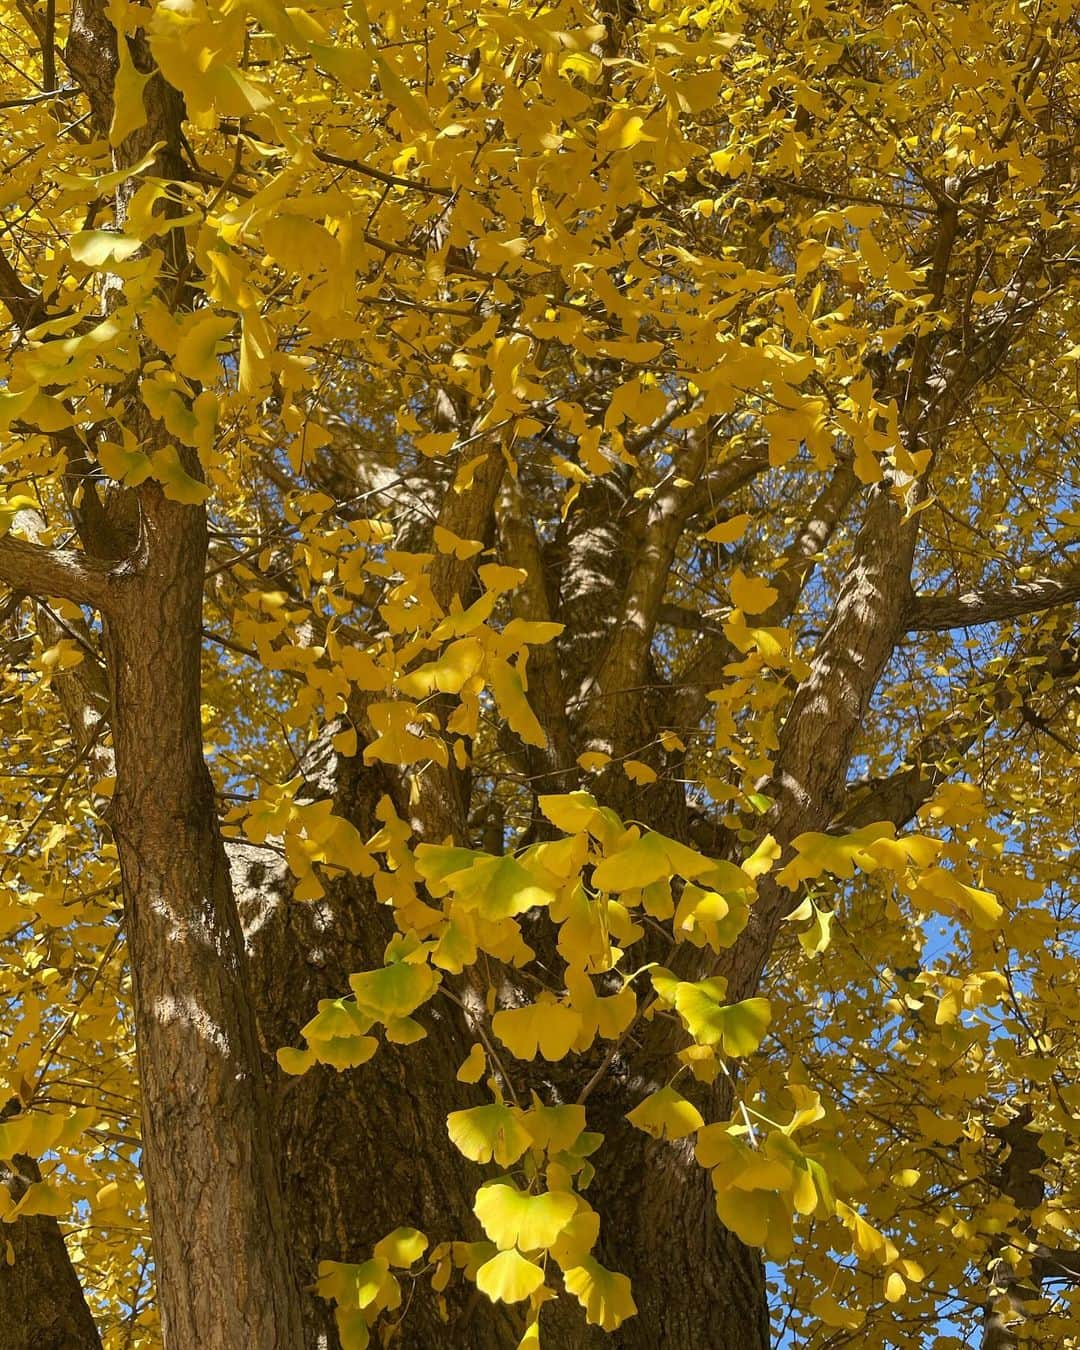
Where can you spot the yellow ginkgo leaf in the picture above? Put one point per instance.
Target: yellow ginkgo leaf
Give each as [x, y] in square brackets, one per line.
[761, 860]
[744, 1213]
[557, 861]
[177, 484]
[548, 1027]
[439, 864]
[484, 1133]
[835, 853]
[336, 1018]
[293, 1061]
[666, 1114]
[831, 1311]
[473, 1066]
[751, 594]
[36, 1132]
[728, 530]
[449, 674]
[619, 131]
[647, 859]
[352, 1328]
[40, 1198]
[368, 1285]
[402, 1247]
[707, 917]
[399, 93]
[816, 938]
[500, 888]
[638, 771]
[508, 692]
[394, 991]
[593, 760]
[570, 811]
[866, 1240]
[602, 1015]
[400, 738]
[129, 110]
[345, 1052]
[509, 1278]
[96, 248]
[196, 351]
[531, 1338]
[448, 542]
[758, 1218]
[736, 1165]
[578, 1238]
[13, 405]
[940, 890]
[498, 577]
[554, 1128]
[514, 1218]
[739, 1027]
[604, 1294]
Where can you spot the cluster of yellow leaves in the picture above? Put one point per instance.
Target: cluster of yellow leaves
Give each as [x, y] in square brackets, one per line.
[596, 883]
[362, 1292]
[452, 257]
[397, 675]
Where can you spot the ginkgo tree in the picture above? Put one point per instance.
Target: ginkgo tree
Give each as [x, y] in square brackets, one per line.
[538, 548]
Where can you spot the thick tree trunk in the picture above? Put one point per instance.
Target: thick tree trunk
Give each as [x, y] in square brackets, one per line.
[364, 1151]
[695, 1285]
[222, 1261]
[659, 1224]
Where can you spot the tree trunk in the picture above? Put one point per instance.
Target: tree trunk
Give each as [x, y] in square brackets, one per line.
[364, 1151]
[695, 1285]
[222, 1261]
[41, 1301]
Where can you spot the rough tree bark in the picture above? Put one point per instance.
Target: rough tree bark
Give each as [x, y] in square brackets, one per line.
[222, 1259]
[361, 1153]
[224, 1267]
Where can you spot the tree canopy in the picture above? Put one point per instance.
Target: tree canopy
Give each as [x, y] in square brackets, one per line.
[538, 660]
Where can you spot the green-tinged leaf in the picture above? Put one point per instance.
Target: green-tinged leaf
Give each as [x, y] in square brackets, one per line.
[96, 248]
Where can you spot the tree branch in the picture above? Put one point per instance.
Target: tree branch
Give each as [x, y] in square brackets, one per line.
[720, 483]
[64, 572]
[624, 663]
[938, 613]
[520, 547]
[1054, 1263]
[816, 531]
[688, 620]
[899, 796]
[24, 305]
[705, 667]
